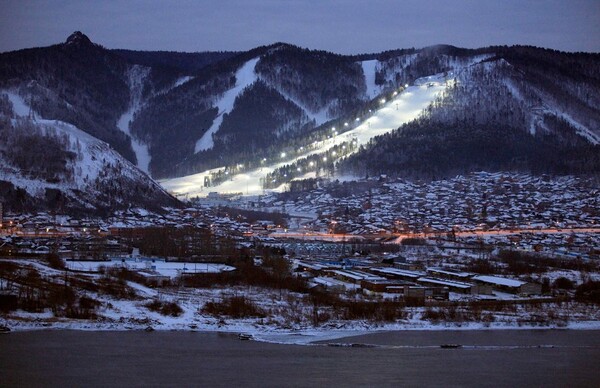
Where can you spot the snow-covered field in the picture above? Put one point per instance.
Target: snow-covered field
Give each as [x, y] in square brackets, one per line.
[404, 107]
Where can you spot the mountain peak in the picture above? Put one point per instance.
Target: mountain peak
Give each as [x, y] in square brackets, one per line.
[78, 38]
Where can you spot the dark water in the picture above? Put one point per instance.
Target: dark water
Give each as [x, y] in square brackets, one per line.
[508, 358]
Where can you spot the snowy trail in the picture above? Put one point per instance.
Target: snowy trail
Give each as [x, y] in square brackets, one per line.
[369, 68]
[245, 76]
[140, 149]
[403, 108]
[136, 76]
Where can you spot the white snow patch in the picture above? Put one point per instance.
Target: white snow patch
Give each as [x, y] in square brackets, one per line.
[369, 69]
[513, 89]
[20, 107]
[581, 130]
[89, 149]
[93, 155]
[182, 80]
[244, 77]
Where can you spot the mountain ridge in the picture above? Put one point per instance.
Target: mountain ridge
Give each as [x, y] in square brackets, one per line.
[293, 96]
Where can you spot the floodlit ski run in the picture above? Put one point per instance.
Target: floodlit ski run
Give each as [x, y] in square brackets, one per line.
[404, 107]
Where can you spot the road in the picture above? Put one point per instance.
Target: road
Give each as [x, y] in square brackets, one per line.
[321, 236]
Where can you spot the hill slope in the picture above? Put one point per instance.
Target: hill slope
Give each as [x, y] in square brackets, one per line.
[524, 109]
[53, 165]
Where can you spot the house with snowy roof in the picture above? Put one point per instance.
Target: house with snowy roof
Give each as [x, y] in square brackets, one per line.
[454, 286]
[509, 285]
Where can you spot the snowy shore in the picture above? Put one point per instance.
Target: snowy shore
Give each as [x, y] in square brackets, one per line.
[298, 336]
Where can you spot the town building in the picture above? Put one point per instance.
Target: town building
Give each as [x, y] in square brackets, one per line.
[509, 285]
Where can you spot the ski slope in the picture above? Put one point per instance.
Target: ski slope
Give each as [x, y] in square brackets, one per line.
[369, 70]
[404, 107]
[136, 76]
[244, 77]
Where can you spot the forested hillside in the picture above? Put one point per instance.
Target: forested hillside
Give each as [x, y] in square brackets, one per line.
[76, 82]
[522, 109]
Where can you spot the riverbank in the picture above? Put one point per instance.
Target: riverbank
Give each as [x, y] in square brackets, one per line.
[264, 332]
[105, 302]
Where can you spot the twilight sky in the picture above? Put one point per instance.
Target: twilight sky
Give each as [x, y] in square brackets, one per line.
[342, 26]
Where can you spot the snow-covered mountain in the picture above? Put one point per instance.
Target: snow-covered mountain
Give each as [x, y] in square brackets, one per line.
[53, 165]
[523, 108]
[274, 99]
[247, 105]
[278, 106]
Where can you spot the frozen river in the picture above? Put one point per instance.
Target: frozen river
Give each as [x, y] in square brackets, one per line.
[411, 358]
